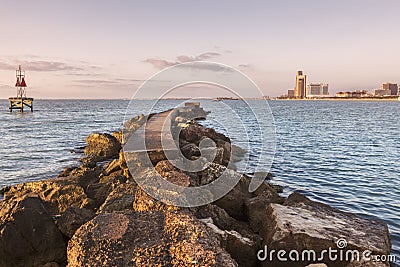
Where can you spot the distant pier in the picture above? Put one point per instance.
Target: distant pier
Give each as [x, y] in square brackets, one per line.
[21, 101]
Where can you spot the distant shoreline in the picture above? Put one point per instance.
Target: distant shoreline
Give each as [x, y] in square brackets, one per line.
[366, 99]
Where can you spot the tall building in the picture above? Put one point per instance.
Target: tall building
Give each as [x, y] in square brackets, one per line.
[300, 89]
[317, 90]
[392, 87]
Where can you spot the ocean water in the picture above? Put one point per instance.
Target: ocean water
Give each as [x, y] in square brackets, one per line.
[345, 154]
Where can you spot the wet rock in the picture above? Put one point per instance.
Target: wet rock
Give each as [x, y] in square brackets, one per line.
[102, 146]
[302, 224]
[72, 219]
[28, 235]
[57, 194]
[121, 198]
[146, 239]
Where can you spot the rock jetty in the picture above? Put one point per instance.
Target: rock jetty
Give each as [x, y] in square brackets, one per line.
[95, 214]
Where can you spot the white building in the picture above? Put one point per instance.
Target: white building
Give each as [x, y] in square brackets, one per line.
[317, 90]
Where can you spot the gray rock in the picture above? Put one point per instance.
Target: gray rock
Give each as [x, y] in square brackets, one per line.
[304, 224]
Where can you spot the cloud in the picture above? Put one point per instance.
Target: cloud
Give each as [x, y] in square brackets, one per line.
[111, 81]
[246, 67]
[40, 65]
[95, 81]
[162, 63]
[5, 66]
[222, 50]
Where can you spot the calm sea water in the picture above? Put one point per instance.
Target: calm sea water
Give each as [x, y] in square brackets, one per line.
[345, 154]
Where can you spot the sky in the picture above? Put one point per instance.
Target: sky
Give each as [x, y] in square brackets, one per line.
[107, 49]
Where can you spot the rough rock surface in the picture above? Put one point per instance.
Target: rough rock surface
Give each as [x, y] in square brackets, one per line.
[28, 234]
[121, 198]
[57, 194]
[72, 219]
[153, 238]
[102, 146]
[302, 224]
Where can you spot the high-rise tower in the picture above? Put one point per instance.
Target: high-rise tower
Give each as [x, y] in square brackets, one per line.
[301, 81]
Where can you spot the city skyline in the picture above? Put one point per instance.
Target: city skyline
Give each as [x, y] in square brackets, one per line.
[101, 49]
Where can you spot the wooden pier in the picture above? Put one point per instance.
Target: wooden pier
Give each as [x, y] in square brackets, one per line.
[20, 103]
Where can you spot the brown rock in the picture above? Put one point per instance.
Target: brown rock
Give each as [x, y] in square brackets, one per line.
[146, 239]
[117, 177]
[121, 198]
[194, 132]
[144, 202]
[99, 192]
[28, 234]
[72, 219]
[190, 150]
[58, 194]
[113, 166]
[102, 146]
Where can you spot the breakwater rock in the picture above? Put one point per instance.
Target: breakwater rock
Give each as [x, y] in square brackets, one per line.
[97, 215]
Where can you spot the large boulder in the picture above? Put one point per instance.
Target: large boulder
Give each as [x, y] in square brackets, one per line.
[153, 238]
[193, 134]
[301, 224]
[28, 234]
[102, 146]
[57, 194]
